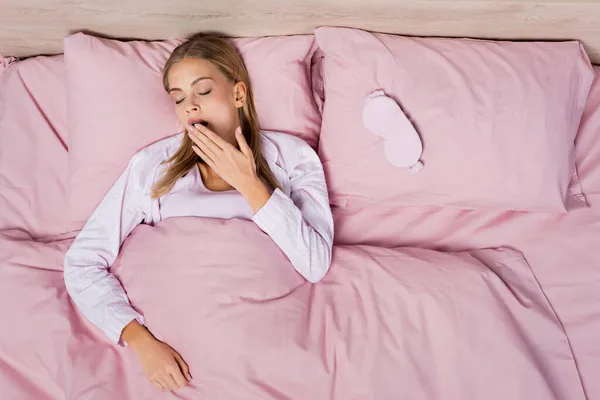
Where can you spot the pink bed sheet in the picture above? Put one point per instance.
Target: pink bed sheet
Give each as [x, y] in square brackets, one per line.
[377, 322]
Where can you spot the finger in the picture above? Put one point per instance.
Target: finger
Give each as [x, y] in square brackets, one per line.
[171, 382]
[243, 144]
[198, 137]
[183, 366]
[218, 140]
[160, 383]
[209, 148]
[193, 135]
[204, 156]
[156, 384]
[201, 144]
[180, 381]
[209, 138]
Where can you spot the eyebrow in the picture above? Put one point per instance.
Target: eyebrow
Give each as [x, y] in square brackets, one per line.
[191, 84]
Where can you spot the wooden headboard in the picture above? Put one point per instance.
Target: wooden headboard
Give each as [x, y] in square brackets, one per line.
[31, 27]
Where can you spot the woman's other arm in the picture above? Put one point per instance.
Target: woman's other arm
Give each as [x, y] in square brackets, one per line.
[97, 292]
[302, 224]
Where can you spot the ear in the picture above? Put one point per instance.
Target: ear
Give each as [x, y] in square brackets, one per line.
[240, 91]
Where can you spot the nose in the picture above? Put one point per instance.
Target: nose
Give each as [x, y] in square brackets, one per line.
[192, 107]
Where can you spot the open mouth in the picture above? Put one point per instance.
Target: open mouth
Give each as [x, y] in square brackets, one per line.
[197, 122]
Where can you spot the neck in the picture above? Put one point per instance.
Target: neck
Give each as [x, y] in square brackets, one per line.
[206, 171]
[211, 180]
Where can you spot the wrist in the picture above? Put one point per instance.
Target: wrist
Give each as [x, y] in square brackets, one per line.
[253, 186]
[257, 194]
[135, 334]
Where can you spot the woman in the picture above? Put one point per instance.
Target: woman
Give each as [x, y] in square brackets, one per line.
[273, 179]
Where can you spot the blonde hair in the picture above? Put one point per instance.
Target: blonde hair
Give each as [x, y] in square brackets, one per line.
[223, 55]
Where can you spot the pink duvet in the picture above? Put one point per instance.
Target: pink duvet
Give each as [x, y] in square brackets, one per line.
[383, 323]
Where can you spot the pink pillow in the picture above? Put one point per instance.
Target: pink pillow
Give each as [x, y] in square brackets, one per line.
[587, 144]
[117, 104]
[33, 146]
[497, 120]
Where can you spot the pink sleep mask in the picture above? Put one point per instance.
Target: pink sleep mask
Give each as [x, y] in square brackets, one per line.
[402, 144]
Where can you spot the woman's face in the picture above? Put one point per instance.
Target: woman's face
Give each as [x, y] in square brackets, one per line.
[202, 94]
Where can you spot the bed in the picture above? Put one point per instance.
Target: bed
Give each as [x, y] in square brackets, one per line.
[422, 301]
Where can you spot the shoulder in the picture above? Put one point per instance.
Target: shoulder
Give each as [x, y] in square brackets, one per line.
[154, 154]
[286, 143]
[288, 150]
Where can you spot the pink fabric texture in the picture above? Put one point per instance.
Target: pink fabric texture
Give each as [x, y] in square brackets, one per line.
[497, 119]
[117, 104]
[382, 322]
[587, 144]
[33, 146]
[253, 315]
[561, 248]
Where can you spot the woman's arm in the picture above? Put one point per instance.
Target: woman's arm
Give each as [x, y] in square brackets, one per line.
[97, 292]
[302, 226]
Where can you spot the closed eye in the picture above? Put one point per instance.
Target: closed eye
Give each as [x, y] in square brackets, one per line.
[200, 94]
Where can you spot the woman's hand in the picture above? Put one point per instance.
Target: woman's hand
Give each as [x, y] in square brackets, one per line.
[163, 366]
[236, 167]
